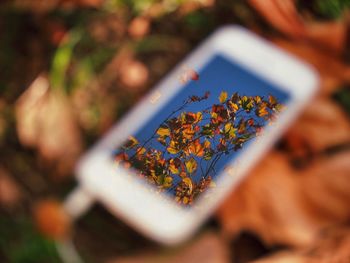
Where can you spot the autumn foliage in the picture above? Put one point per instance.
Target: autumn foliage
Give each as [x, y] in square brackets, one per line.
[182, 155]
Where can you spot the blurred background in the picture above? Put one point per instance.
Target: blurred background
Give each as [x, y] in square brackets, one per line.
[69, 69]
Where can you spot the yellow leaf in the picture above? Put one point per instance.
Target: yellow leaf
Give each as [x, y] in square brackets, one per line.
[140, 151]
[163, 131]
[230, 130]
[257, 99]
[183, 174]
[206, 144]
[223, 96]
[262, 111]
[189, 183]
[167, 182]
[172, 148]
[131, 142]
[172, 167]
[196, 148]
[228, 127]
[198, 116]
[185, 200]
[234, 107]
[191, 165]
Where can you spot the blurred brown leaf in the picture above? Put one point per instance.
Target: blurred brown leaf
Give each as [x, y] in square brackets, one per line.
[322, 125]
[3, 123]
[51, 219]
[139, 27]
[10, 193]
[208, 248]
[332, 70]
[35, 6]
[331, 246]
[285, 206]
[40, 6]
[45, 121]
[283, 15]
[133, 73]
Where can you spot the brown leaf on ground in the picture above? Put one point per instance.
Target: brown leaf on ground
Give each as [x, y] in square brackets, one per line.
[331, 246]
[283, 15]
[139, 27]
[3, 123]
[51, 219]
[133, 73]
[268, 203]
[45, 121]
[322, 125]
[208, 248]
[328, 34]
[332, 70]
[284, 206]
[10, 194]
[36, 6]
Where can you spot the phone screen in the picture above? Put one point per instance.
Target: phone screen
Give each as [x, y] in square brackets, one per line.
[215, 114]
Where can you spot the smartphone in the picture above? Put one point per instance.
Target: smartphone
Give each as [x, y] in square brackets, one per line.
[168, 164]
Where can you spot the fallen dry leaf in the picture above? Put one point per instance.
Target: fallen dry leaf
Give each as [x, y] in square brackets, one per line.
[322, 125]
[51, 219]
[285, 206]
[283, 15]
[133, 73]
[139, 27]
[268, 203]
[328, 34]
[45, 121]
[35, 6]
[208, 248]
[331, 246]
[10, 194]
[333, 72]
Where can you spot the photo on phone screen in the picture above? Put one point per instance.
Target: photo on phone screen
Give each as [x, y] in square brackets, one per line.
[215, 114]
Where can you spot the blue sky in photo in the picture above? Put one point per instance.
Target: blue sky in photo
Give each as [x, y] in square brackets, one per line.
[218, 75]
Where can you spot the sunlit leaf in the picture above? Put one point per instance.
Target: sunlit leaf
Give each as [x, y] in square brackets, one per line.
[241, 126]
[257, 99]
[246, 103]
[188, 131]
[131, 142]
[186, 200]
[168, 181]
[191, 165]
[223, 96]
[163, 131]
[162, 140]
[189, 183]
[233, 106]
[206, 144]
[140, 151]
[196, 148]
[173, 167]
[172, 148]
[262, 110]
[207, 130]
[230, 130]
[208, 154]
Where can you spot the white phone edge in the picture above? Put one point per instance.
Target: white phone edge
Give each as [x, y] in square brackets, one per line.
[160, 218]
